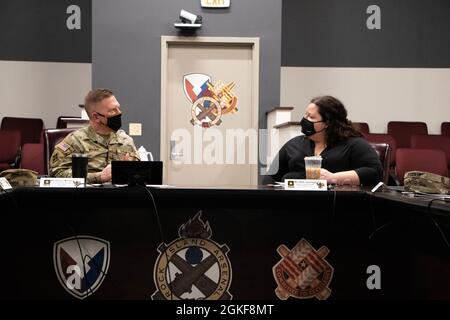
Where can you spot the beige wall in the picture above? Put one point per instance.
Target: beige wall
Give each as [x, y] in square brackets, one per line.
[43, 90]
[373, 95]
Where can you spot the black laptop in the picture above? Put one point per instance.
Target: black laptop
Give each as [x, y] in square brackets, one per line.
[137, 172]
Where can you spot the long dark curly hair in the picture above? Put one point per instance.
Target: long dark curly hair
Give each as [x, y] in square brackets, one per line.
[334, 114]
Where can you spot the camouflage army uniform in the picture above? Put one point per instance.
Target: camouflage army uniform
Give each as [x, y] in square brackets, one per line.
[101, 150]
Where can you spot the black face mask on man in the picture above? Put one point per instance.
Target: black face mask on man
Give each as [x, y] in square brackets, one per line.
[308, 127]
[114, 122]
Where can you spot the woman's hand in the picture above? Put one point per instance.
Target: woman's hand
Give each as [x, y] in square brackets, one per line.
[327, 175]
[340, 178]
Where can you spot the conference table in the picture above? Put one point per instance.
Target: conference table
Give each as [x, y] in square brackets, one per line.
[237, 243]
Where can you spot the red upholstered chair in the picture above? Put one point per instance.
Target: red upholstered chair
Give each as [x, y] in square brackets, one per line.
[384, 152]
[363, 127]
[51, 138]
[33, 157]
[437, 142]
[29, 128]
[402, 131]
[427, 160]
[9, 148]
[445, 129]
[383, 138]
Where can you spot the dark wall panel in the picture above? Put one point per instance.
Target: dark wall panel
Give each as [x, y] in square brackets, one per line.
[37, 31]
[127, 51]
[333, 33]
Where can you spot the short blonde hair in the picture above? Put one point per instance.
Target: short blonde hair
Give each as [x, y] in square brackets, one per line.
[95, 96]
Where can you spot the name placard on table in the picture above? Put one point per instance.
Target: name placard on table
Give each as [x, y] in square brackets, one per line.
[62, 182]
[305, 184]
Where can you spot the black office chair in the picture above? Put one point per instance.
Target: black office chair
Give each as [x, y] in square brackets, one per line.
[384, 152]
[51, 138]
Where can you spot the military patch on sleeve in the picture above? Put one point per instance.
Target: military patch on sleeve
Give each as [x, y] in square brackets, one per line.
[63, 146]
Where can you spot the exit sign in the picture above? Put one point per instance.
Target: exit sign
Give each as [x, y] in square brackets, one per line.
[215, 3]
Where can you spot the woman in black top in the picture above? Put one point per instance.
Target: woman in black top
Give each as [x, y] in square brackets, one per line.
[346, 156]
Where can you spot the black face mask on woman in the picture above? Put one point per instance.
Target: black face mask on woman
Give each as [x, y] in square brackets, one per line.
[308, 127]
[114, 122]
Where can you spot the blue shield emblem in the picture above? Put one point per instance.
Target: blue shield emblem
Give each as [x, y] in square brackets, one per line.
[81, 264]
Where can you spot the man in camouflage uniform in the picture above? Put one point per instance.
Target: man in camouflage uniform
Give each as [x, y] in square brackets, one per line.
[101, 140]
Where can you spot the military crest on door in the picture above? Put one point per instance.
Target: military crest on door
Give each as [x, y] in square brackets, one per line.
[210, 102]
